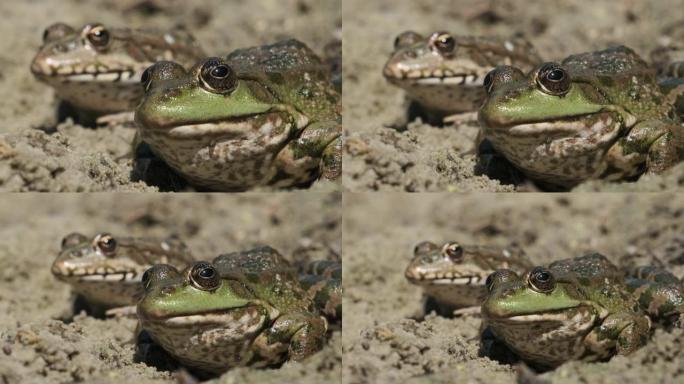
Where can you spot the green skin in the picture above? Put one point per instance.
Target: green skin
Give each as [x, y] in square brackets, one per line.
[103, 76]
[612, 121]
[278, 124]
[256, 313]
[110, 277]
[453, 275]
[446, 80]
[593, 311]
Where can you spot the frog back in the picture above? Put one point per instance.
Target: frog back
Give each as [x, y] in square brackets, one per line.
[621, 76]
[267, 274]
[293, 73]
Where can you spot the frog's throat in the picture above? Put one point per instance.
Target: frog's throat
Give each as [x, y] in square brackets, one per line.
[574, 125]
[236, 125]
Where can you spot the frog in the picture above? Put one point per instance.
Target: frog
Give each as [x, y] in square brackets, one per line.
[322, 280]
[241, 309]
[443, 72]
[97, 68]
[668, 59]
[262, 116]
[595, 115]
[106, 270]
[582, 308]
[453, 275]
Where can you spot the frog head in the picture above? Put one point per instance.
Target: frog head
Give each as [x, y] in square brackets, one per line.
[97, 68]
[107, 270]
[208, 100]
[444, 72]
[541, 316]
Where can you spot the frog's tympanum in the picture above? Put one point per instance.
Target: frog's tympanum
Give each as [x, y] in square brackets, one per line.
[444, 72]
[595, 115]
[107, 270]
[244, 308]
[580, 308]
[453, 275]
[267, 115]
[98, 68]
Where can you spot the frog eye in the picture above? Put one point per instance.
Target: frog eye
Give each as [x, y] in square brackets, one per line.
[444, 43]
[146, 278]
[553, 79]
[406, 39]
[146, 78]
[98, 36]
[56, 31]
[489, 81]
[161, 71]
[454, 251]
[217, 77]
[204, 276]
[500, 75]
[106, 244]
[541, 280]
[498, 277]
[72, 240]
[424, 247]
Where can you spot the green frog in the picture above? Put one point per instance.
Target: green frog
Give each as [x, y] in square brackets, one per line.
[579, 308]
[595, 115]
[443, 73]
[453, 275]
[265, 115]
[97, 68]
[106, 270]
[244, 308]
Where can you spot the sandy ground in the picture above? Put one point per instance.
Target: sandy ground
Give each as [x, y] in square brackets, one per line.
[42, 341]
[386, 342]
[384, 154]
[38, 153]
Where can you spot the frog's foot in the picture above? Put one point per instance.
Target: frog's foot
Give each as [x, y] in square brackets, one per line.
[659, 292]
[121, 118]
[629, 331]
[304, 332]
[128, 311]
[658, 140]
[461, 118]
[331, 161]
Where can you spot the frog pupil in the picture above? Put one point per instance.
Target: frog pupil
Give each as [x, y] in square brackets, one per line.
[206, 273]
[555, 75]
[220, 72]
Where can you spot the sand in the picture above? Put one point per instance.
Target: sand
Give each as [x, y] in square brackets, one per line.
[385, 154]
[44, 341]
[388, 339]
[40, 153]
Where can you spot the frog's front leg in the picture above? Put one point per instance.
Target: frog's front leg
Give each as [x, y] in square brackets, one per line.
[323, 282]
[629, 331]
[660, 293]
[318, 146]
[303, 332]
[656, 139]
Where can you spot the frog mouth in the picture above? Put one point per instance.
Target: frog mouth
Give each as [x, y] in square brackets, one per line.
[243, 316]
[86, 75]
[444, 279]
[98, 276]
[445, 77]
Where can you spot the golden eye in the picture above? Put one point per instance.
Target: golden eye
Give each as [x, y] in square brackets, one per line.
[498, 277]
[541, 280]
[204, 276]
[106, 244]
[444, 42]
[98, 36]
[217, 77]
[553, 79]
[454, 251]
